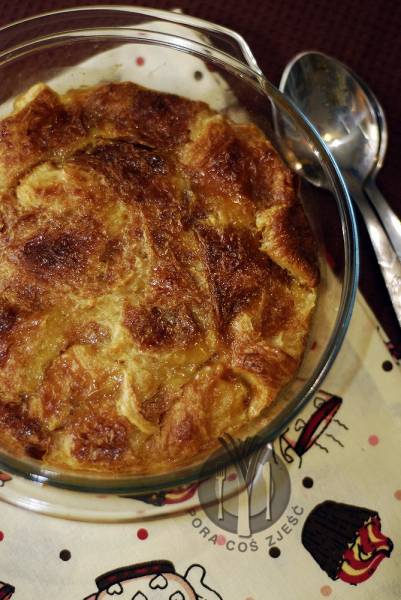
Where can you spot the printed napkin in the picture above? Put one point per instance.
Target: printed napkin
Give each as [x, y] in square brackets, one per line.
[322, 518]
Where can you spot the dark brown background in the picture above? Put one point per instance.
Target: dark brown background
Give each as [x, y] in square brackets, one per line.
[365, 34]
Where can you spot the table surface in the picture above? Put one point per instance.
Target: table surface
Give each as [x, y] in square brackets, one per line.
[364, 34]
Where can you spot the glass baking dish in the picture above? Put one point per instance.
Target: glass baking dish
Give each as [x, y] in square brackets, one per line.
[65, 48]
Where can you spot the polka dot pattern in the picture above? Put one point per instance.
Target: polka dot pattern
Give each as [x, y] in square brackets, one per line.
[142, 534]
[326, 591]
[307, 482]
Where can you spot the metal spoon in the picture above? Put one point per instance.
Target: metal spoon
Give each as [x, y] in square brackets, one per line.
[391, 222]
[352, 123]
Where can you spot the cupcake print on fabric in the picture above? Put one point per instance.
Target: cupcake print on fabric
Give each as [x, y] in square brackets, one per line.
[346, 541]
[155, 580]
[6, 591]
[4, 477]
[322, 429]
[174, 496]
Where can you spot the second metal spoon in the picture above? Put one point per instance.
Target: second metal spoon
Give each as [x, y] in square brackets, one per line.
[336, 103]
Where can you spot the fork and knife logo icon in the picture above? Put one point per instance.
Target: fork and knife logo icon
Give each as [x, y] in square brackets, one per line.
[247, 471]
[251, 494]
[244, 489]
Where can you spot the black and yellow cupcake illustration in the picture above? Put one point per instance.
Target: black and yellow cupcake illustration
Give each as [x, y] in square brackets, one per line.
[346, 541]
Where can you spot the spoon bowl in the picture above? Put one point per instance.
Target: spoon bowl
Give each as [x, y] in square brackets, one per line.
[381, 123]
[336, 103]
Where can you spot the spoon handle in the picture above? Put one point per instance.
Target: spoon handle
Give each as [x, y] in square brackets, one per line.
[391, 223]
[388, 260]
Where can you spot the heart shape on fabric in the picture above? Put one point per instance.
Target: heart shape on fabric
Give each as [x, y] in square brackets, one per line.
[116, 588]
[177, 596]
[159, 582]
[139, 596]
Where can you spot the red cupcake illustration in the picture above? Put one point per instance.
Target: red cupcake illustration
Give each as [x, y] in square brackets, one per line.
[154, 580]
[174, 496]
[305, 434]
[4, 477]
[346, 541]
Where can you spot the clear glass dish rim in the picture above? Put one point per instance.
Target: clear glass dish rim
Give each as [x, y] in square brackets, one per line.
[92, 483]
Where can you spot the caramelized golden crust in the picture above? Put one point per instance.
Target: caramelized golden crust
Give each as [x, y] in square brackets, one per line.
[157, 278]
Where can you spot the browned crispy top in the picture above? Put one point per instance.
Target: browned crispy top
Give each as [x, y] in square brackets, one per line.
[157, 278]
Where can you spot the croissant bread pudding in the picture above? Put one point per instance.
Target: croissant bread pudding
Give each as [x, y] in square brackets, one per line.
[157, 278]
